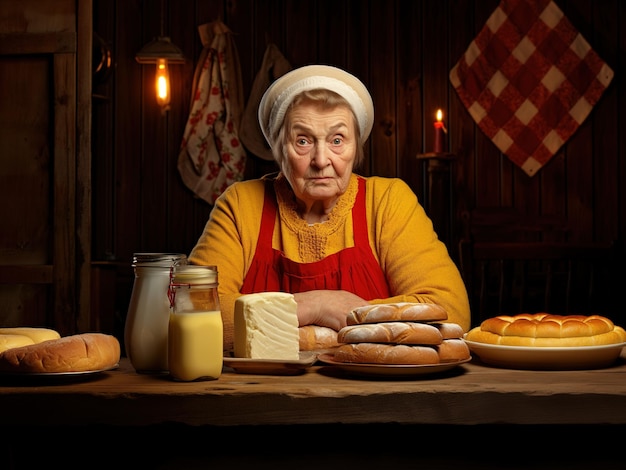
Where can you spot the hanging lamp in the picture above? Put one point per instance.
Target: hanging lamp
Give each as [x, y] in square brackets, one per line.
[161, 51]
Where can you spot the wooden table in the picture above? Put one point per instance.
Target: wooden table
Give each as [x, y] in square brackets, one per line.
[470, 394]
[472, 401]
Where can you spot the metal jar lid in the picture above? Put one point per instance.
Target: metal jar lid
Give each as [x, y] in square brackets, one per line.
[194, 274]
[158, 259]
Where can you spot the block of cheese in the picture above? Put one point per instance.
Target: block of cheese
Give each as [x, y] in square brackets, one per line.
[266, 326]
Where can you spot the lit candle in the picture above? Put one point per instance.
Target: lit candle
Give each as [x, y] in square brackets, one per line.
[439, 131]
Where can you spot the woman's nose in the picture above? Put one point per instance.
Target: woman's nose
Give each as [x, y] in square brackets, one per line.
[320, 155]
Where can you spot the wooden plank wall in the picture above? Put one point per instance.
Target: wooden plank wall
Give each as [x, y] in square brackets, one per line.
[403, 51]
[45, 156]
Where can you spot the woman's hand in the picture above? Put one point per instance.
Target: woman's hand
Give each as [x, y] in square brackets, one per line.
[326, 307]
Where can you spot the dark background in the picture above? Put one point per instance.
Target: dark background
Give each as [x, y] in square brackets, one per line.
[403, 51]
[88, 170]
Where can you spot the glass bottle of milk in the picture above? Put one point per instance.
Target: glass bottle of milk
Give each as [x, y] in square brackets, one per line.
[195, 337]
[145, 330]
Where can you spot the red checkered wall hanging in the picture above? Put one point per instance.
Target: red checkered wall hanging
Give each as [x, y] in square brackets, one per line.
[529, 80]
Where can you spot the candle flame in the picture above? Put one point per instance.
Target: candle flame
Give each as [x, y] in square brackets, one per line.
[439, 115]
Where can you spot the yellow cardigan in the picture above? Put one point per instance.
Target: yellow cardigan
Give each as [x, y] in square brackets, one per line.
[416, 263]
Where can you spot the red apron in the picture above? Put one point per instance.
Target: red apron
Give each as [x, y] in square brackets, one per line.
[352, 269]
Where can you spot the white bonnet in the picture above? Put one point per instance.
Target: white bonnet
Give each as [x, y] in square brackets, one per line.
[281, 93]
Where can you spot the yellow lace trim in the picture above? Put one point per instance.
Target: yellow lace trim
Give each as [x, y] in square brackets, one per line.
[312, 239]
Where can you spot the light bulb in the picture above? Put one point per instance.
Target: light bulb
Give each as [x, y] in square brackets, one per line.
[162, 84]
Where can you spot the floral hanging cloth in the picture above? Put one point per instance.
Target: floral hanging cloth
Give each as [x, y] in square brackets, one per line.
[529, 80]
[212, 156]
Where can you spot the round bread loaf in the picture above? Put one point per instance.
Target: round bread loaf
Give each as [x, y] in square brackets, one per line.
[391, 332]
[315, 337]
[374, 353]
[545, 330]
[76, 353]
[403, 311]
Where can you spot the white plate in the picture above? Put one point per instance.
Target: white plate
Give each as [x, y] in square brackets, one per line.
[399, 370]
[243, 365]
[547, 358]
[53, 376]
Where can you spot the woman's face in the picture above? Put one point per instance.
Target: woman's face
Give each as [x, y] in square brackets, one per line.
[321, 146]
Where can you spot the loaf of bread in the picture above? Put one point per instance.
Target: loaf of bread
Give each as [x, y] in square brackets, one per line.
[449, 330]
[13, 337]
[400, 334]
[391, 332]
[75, 353]
[546, 330]
[449, 350]
[403, 311]
[452, 350]
[315, 337]
[374, 353]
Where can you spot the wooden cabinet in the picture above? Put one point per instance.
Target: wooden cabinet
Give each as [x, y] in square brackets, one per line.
[45, 168]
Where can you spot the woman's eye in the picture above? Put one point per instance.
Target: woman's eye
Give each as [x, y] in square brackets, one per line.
[337, 141]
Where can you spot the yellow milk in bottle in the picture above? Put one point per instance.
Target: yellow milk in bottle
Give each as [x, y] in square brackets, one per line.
[195, 345]
[195, 333]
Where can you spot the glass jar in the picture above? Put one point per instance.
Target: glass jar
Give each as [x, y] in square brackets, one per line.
[195, 338]
[145, 330]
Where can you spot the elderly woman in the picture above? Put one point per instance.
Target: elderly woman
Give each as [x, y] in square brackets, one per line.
[334, 239]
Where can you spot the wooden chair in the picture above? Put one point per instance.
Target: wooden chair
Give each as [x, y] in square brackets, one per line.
[530, 277]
